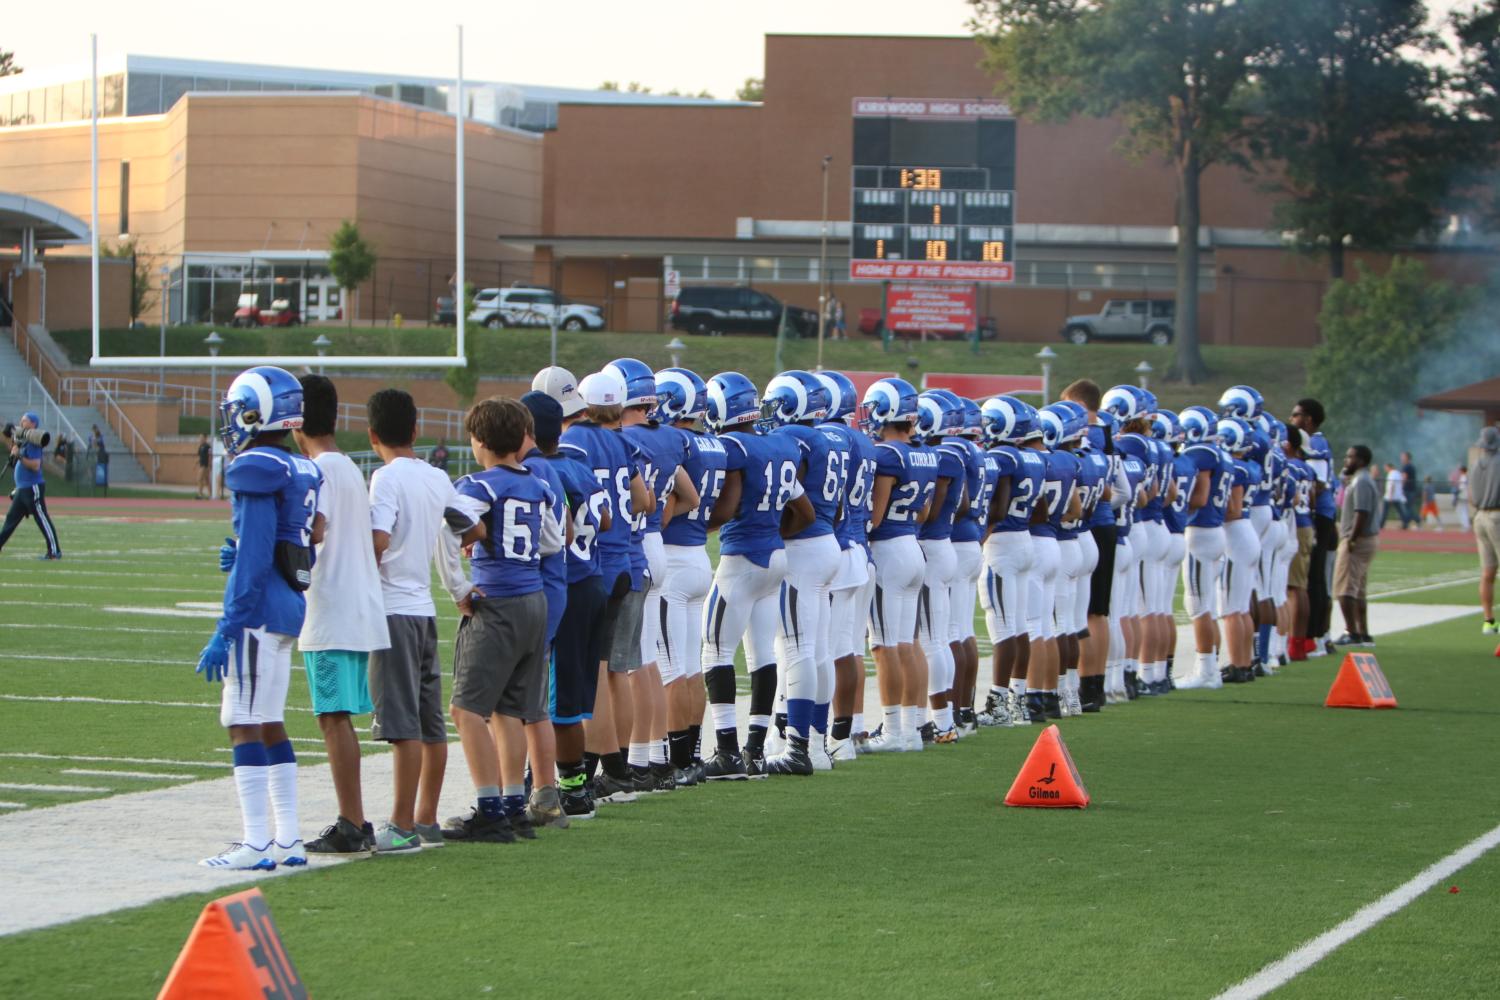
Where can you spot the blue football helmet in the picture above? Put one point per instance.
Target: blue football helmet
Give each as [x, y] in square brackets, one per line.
[1053, 423]
[639, 379]
[1008, 420]
[843, 399]
[1199, 424]
[1165, 426]
[732, 400]
[938, 415]
[1234, 434]
[971, 428]
[1241, 401]
[680, 395]
[1076, 425]
[260, 399]
[1128, 402]
[793, 397]
[890, 401]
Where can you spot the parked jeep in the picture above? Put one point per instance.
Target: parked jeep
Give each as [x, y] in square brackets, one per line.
[1124, 319]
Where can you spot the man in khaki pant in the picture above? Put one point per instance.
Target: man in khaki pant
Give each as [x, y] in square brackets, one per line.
[1359, 527]
[1484, 498]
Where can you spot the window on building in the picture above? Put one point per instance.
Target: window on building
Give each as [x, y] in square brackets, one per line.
[112, 95]
[172, 89]
[54, 99]
[143, 94]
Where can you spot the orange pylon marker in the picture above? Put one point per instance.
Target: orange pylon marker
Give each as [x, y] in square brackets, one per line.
[1048, 779]
[1360, 684]
[234, 953]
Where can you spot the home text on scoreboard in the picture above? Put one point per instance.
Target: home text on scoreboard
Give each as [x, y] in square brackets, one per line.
[933, 190]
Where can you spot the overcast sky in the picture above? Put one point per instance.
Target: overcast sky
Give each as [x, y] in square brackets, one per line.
[689, 44]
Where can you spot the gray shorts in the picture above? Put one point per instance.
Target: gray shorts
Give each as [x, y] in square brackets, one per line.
[406, 683]
[625, 645]
[500, 658]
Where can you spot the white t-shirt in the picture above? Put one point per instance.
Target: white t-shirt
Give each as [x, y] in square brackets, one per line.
[345, 609]
[411, 501]
[1395, 486]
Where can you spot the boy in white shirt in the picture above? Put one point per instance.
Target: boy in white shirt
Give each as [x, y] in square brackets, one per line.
[345, 615]
[416, 520]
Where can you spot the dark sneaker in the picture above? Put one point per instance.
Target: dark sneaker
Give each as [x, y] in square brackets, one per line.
[1260, 670]
[521, 825]
[1132, 688]
[578, 804]
[343, 837]
[1347, 639]
[642, 780]
[610, 789]
[968, 720]
[1229, 675]
[663, 778]
[928, 732]
[793, 760]
[1036, 708]
[1246, 675]
[369, 831]
[1367, 641]
[431, 835]
[755, 763]
[478, 829]
[725, 766]
[1053, 705]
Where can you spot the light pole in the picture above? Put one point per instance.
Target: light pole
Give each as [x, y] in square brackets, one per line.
[322, 344]
[1143, 371]
[823, 264]
[676, 346]
[166, 275]
[1045, 356]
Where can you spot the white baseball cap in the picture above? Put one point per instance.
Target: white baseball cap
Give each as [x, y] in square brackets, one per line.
[560, 384]
[602, 389]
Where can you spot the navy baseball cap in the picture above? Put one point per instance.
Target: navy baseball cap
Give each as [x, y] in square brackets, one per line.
[31, 415]
[546, 415]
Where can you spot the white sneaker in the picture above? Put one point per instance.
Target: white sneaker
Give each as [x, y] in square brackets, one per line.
[913, 740]
[292, 854]
[1072, 705]
[1211, 679]
[775, 742]
[844, 750]
[243, 858]
[817, 749]
[884, 742]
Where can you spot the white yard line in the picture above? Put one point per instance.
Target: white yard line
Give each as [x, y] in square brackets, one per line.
[1280, 972]
[22, 755]
[76, 789]
[143, 775]
[91, 660]
[34, 585]
[51, 627]
[12, 805]
[64, 699]
[1428, 586]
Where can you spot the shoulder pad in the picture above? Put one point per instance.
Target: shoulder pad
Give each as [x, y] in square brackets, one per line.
[258, 471]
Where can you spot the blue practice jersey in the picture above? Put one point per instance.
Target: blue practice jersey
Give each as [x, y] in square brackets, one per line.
[1320, 463]
[25, 476]
[1240, 478]
[1143, 449]
[768, 471]
[1273, 473]
[825, 453]
[914, 470]
[704, 463]
[508, 563]
[859, 504]
[555, 566]
[1026, 470]
[1175, 516]
[1301, 477]
[663, 449]
[587, 501]
[1099, 437]
[979, 487]
[1256, 493]
[274, 501]
[606, 454]
[1093, 477]
[1220, 468]
[951, 467]
[1062, 476]
[1134, 472]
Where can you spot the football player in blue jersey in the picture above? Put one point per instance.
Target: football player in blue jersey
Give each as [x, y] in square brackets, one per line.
[905, 481]
[596, 442]
[682, 402]
[1302, 486]
[1242, 555]
[1167, 431]
[1152, 633]
[1122, 673]
[500, 678]
[275, 504]
[794, 404]
[1100, 543]
[1093, 481]
[938, 418]
[1059, 502]
[761, 504]
[663, 450]
[1062, 648]
[1013, 442]
[968, 558]
[1212, 482]
[1309, 416]
[848, 591]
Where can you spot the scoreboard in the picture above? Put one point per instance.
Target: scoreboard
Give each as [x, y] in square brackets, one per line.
[933, 193]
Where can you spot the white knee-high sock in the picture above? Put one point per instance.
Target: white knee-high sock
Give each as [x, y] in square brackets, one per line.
[250, 777]
[281, 781]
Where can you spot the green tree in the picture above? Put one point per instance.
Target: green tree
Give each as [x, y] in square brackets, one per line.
[143, 284]
[8, 65]
[753, 89]
[1478, 85]
[464, 381]
[351, 261]
[1352, 129]
[1379, 331]
[1175, 72]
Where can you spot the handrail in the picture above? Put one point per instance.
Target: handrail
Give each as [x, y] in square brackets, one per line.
[50, 408]
[140, 439]
[29, 349]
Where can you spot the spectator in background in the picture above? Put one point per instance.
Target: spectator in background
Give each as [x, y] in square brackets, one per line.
[1359, 526]
[439, 456]
[1484, 495]
[1461, 496]
[1409, 517]
[836, 310]
[205, 464]
[1395, 492]
[1429, 504]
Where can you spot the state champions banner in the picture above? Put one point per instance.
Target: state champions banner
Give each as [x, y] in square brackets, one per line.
[913, 307]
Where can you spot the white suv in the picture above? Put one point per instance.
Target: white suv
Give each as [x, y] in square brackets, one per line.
[522, 306]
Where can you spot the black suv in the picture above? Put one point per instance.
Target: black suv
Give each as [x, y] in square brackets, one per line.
[702, 309]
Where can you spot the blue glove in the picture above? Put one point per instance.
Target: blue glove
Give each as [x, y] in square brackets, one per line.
[213, 662]
[227, 553]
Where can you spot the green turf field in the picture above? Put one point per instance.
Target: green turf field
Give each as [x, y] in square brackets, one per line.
[1227, 828]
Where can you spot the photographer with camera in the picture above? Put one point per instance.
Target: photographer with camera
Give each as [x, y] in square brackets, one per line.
[27, 443]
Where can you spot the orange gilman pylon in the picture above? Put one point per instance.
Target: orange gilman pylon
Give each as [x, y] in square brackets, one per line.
[1048, 779]
[234, 953]
[1360, 684]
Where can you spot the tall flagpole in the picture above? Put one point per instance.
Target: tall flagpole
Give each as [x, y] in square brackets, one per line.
[459, 293]
[94, 186]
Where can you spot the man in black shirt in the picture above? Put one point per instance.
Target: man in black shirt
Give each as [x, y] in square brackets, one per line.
[205, 463]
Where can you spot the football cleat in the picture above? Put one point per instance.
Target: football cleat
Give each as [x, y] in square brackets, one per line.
[610, 789]
[292, 855]
[817, 751]
[1036, 708]
[755, 762]
[578, 804]
[476, 828]
[1489, 628]
[968, 720]
[944, 737]
[242, 858]
[725, 766]
[844, 750]
[794, 760]
[881, 741]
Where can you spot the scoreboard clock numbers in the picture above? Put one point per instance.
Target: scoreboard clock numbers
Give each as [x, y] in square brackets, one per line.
[933, 194]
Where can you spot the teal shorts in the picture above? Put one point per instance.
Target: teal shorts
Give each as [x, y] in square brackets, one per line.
[338, 681]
